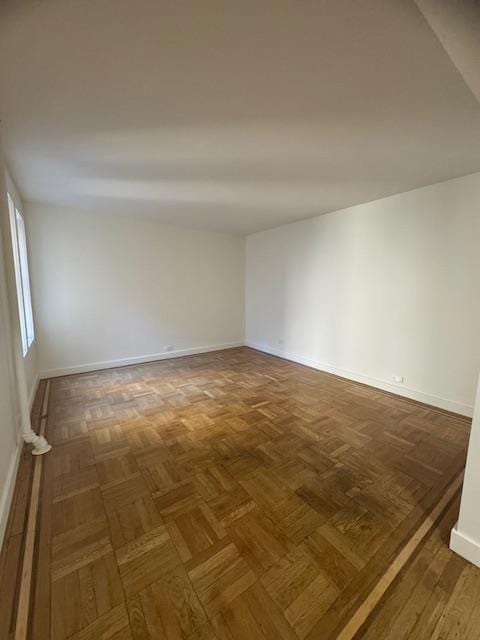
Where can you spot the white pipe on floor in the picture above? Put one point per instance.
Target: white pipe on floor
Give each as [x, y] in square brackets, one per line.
[39, 443]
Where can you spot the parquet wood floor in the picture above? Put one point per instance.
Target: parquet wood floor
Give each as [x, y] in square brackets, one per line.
[234, 495]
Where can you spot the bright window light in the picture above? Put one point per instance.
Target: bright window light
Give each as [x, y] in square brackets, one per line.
[20, 259]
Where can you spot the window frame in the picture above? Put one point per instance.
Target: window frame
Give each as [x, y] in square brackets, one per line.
[22, 277]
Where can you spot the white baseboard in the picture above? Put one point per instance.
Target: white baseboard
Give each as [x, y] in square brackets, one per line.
[8, 489]
[33, 391]
[465, 546]
[111, 364]
[401, 390]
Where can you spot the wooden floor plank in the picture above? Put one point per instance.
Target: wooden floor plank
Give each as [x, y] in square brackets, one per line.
[235, 495]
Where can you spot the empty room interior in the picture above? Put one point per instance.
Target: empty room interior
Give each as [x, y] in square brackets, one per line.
[240, 320]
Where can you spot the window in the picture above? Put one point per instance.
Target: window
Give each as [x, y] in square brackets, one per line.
[19, 243]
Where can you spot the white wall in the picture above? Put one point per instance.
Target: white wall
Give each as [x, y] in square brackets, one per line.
[386, 288]
[111, 288]
[10, 444]
[9, 418]
[465, 538]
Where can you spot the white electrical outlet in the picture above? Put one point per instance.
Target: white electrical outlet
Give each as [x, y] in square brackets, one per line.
[399, 379]
[169, 347]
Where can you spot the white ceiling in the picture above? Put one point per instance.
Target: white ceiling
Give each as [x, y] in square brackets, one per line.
[226, 114]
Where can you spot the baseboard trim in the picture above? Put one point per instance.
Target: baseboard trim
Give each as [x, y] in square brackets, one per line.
[8, 490]
[465, 546]
[123, 362]
[30, 533]
[400, 390]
